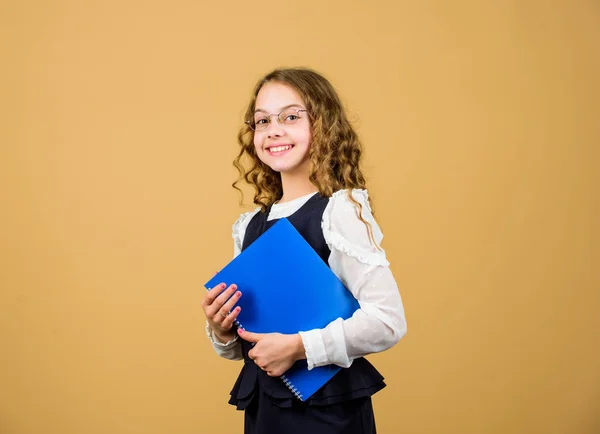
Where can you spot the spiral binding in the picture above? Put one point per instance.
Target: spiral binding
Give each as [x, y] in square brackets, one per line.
[285, 379]
[290, 386]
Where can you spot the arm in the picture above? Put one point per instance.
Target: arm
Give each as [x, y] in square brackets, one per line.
[380, 322]
[228, 345]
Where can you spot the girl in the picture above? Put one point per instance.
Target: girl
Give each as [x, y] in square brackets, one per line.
[305, 157]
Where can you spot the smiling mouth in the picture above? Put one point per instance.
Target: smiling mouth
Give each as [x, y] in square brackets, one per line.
[274, 150]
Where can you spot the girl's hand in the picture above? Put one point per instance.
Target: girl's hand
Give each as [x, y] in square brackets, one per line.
[217, 303]
[274, 353]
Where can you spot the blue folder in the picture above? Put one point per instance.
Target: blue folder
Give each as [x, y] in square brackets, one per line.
[286, 288]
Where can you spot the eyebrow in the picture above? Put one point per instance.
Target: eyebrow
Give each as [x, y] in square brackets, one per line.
[282, 108]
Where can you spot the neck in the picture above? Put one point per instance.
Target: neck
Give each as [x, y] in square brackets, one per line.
[295, 184]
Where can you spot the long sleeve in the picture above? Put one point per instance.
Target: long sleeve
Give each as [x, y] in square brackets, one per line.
[232, 350]
[380, 322]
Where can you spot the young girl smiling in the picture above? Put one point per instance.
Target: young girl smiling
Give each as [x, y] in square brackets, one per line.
[305, 166]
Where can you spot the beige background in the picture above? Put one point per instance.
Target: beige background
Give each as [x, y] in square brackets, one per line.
[118, 124]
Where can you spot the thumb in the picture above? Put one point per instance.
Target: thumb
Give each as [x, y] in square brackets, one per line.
[249, 336]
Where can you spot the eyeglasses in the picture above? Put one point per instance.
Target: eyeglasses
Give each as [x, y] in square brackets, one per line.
[262, 121]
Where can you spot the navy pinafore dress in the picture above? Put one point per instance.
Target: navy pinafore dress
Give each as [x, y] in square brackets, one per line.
[342, 405]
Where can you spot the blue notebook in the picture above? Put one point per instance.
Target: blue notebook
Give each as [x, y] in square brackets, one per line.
[286, 288]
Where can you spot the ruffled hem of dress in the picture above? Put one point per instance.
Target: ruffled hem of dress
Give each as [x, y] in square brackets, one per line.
[245, 386]
[243, 403]
[336, 241]
[351, 383]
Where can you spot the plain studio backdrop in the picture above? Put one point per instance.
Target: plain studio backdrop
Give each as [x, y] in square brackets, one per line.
[118, 126]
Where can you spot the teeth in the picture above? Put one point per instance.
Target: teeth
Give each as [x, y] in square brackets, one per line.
[280, 148]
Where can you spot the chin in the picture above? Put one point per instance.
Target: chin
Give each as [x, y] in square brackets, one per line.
[282, 167]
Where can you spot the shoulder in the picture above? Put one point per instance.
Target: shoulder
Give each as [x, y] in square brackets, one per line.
[239, 226]
[341, 200]
[350, 205]
[349, 226]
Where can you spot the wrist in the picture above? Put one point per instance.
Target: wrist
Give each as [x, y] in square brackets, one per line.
[223, 338]
[299, 350]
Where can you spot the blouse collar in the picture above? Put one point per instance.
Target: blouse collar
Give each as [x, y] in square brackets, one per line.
[289, 207]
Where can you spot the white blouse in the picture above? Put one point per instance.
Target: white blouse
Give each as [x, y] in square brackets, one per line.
[380, 322]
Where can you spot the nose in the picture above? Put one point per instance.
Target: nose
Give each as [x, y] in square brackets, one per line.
[275, 129]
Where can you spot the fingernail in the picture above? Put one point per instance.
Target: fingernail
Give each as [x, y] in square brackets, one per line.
[222, 285]
[238, 294]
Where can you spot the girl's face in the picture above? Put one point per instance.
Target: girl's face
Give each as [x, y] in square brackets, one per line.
[282, 147]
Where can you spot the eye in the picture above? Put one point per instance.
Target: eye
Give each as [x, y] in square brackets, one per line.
[261, 121]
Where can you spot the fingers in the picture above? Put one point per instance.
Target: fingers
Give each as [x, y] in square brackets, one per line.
[228, 304]
[218, 306]
[215, 300]
[249, 336]
[224, 296]
[230, 319]
[271, 373]
[226, 312]
[211, 295]
[259, 360]
[254, 357]
[269, 370]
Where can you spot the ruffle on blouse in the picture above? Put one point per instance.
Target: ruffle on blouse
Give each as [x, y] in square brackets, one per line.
[240, 225]
[342, 238]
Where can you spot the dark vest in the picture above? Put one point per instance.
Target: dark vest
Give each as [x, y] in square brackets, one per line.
[359, 380]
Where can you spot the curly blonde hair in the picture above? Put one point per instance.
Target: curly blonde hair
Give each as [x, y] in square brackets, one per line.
[334, 153]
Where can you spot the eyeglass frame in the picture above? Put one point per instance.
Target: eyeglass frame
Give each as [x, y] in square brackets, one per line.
[268, 116]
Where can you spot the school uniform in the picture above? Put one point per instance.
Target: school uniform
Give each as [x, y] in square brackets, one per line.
[342, 405]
